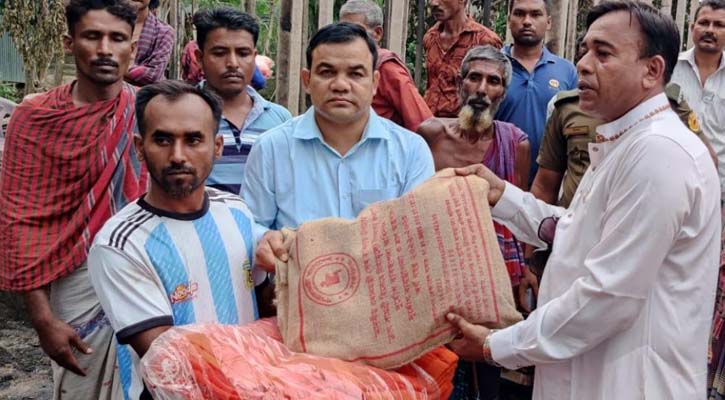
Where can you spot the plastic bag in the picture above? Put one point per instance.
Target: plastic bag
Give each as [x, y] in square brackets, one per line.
[212, 361]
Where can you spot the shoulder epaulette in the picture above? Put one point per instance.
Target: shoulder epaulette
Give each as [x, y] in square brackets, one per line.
[566, 96]
[673, 92]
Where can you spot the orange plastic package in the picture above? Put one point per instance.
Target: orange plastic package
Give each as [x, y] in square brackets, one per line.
[212, 361]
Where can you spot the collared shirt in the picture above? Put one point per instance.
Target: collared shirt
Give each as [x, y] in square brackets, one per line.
[569, 130]
[153, 52]
[443, 64]
[708, 101]
[626, 300]
[529, 93]
[228, 170]
[397, 98]
[293, 176]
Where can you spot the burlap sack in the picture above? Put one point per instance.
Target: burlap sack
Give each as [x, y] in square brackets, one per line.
[377, 289]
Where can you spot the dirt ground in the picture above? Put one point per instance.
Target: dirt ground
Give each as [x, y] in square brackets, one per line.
[24, 368]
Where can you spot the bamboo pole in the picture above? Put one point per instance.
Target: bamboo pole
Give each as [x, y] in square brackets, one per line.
[395, 28]
[693, 8]
[571, 32]
[325, 13]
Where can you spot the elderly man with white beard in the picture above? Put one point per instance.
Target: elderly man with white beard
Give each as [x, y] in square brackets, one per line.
[473, 138]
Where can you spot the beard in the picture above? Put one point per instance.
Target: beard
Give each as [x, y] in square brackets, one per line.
[474, 120]
[176, 186]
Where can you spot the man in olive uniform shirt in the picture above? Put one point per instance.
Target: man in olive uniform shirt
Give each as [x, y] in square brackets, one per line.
[564, 154]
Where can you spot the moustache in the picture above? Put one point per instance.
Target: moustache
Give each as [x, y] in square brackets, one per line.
[709, 36]
[233, 74]
[178, 169]
[102, 62]
[479, 103]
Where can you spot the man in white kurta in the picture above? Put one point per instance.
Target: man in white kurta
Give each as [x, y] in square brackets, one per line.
[627, 296]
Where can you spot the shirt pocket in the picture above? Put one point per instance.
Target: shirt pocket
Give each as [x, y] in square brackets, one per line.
[577, 145]
[365, 197]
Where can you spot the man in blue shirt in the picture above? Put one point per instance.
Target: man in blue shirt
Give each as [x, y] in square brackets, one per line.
[227, 40]
[538, 74]
[339, 156]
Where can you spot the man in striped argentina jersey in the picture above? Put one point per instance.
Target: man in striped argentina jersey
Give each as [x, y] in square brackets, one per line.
[182, 253]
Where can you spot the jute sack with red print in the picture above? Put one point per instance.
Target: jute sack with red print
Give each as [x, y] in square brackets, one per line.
[377, 289]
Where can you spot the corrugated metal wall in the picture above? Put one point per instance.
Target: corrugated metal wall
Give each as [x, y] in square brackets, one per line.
[11, 64]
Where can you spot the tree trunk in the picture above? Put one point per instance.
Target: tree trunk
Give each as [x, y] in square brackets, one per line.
[30, 86]
[680, 18]
[250, 6]
[420, 31]
[271, 28]
[58, 71]
[174, 22]
[557, 35]
[693, 8]
[289, 51]
[571, 32]
[302, 105]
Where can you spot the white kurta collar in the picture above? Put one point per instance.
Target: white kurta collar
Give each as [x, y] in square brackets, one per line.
[641, 112]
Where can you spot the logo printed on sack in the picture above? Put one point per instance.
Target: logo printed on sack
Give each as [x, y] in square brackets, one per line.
[331, 279]
[183, 292]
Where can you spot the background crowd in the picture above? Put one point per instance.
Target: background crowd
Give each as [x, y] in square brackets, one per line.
[107, 259]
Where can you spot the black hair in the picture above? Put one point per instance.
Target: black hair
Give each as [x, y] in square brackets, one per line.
[341, 32]
[714, 4]
[76, 9]
[547, 6]
[154, 4]
[208, 19]
[173, 90]
[660, 34]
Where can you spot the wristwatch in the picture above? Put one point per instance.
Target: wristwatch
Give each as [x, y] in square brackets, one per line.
[487, 357]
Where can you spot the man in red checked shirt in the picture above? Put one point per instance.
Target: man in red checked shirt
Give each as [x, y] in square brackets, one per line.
[155, 40]
[445, 44]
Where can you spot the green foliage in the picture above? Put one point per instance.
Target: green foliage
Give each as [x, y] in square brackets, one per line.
[10, 91]
[37, 28]
[501, 23]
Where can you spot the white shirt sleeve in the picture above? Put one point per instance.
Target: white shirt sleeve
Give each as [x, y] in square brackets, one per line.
[644, 213]
[129, 291]
[522, 214]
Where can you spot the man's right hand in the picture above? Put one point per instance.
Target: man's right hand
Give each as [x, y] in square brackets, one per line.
[496, 184]
[58, 340]
[269, 249]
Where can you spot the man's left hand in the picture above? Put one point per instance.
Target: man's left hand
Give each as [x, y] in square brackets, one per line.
[470, 345]
[529, 280]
